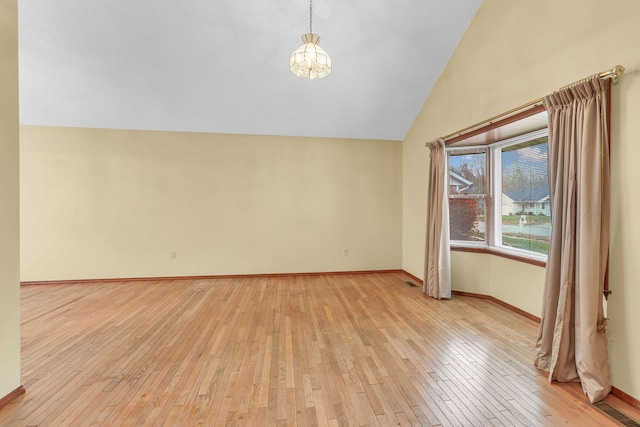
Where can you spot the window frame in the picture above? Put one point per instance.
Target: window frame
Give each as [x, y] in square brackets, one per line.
[486, 196]
[493, 222]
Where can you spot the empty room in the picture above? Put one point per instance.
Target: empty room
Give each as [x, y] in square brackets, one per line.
[313, 212]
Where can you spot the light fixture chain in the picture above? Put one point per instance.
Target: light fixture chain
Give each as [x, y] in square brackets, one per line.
[311, 16]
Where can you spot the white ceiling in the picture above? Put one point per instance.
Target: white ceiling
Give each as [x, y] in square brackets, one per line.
[222, 65]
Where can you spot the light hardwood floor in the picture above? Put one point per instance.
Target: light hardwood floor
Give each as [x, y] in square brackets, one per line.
[337, 350]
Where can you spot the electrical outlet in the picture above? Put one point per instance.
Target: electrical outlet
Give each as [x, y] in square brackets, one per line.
[172, 255]
[345, 252]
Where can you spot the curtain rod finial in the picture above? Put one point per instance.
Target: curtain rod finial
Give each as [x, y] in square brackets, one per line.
[616, 72]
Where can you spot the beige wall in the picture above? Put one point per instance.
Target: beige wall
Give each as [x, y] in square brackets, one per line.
[516, 51]
[113, 203]
[503, 278]
[9, 215]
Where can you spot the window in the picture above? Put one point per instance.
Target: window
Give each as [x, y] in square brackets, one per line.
[467, 194]
[499, 196]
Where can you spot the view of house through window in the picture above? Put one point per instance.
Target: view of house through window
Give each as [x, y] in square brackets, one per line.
[499, 195]
[525, 211]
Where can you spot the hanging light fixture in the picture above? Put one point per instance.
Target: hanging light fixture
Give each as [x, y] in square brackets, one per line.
[310, 60]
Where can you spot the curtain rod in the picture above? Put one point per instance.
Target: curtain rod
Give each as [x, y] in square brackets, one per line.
[612, 74]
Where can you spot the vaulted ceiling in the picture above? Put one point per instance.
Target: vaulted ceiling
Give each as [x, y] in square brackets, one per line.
[222, 65]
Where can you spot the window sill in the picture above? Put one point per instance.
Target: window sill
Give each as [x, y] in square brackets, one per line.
[485, 250]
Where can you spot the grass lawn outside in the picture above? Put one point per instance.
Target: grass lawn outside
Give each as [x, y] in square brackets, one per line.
[539, 246]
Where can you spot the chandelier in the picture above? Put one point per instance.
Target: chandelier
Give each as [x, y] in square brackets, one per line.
[310, 60]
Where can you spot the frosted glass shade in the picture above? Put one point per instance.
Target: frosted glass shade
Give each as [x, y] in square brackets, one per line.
[310, 60]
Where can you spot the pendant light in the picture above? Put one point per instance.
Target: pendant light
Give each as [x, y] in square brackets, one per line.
[310, 60]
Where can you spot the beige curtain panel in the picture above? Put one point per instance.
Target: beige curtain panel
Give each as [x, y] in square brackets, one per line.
[572, 342]
[437, 266]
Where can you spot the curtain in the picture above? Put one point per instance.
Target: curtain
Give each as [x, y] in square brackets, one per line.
[572, 342]
[437, 274]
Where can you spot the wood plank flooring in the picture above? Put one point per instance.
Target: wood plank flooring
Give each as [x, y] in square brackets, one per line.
[326, 350]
